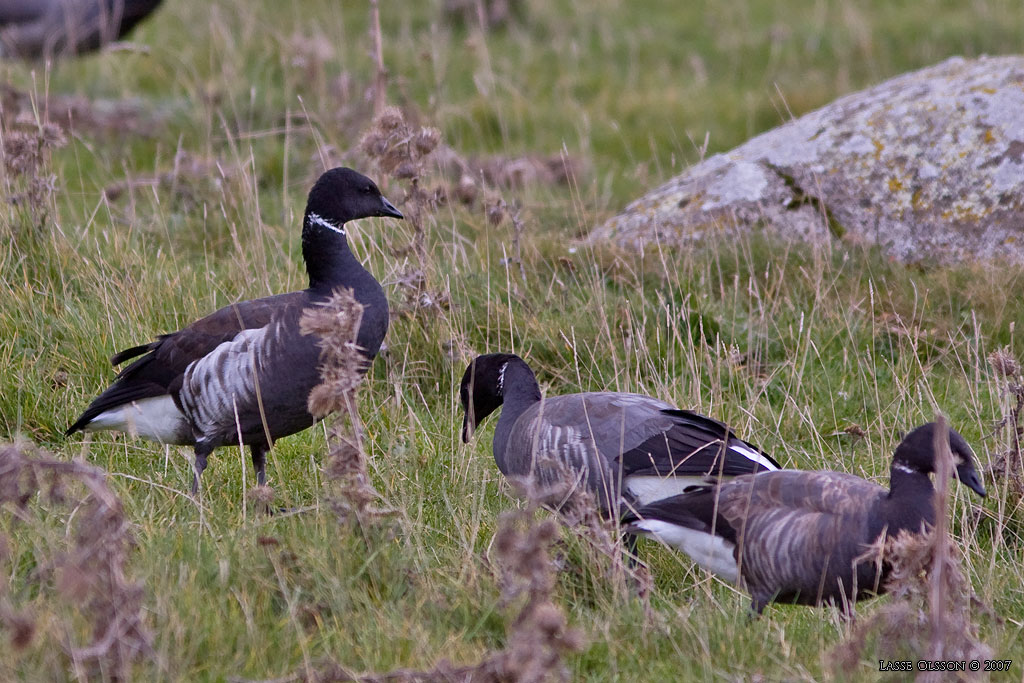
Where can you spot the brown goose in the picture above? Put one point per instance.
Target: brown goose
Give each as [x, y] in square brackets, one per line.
[246, 370]
[626, 449]
[793, 536]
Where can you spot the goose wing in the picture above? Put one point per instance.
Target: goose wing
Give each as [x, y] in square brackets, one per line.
[685, 443]
[163, 362]
[798, 534]
[606, 436]
[578, 435]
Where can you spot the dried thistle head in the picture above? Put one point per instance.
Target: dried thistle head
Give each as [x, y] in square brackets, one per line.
[26, 159]
[426, 140]
[309, 52]
[496, 210]
[539, 636]
[909, 623]
[86, 565]
[26, 146]
[524, 555]
[1003, 362]
[336, 322]
[467, 189]
[51, 135]
[390, 120]
[350, 490]
[398, 147]
[344, 460]
[262, 495]
[20, 152]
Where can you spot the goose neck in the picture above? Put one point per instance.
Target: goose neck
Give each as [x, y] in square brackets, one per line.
[912, 493]
[519, 391]
[518, 385]
[329, 261]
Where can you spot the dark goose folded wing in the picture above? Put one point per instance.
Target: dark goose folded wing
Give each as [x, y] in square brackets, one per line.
[161, 369]
[684, 443]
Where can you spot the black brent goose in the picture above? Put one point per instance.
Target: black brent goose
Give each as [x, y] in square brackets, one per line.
[47, 28]
[802, 537]
[245, 372]
[626, 449]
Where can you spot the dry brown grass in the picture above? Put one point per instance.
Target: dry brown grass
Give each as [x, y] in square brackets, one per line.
[82, 573]
[538, 636]
[1009, 464]
[27, 144]
[336, 321]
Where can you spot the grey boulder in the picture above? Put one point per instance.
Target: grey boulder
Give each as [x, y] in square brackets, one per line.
[929, 166]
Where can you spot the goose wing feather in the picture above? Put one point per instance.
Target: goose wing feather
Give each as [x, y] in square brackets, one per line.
[580, 434]
[691, 444]
[798, 533]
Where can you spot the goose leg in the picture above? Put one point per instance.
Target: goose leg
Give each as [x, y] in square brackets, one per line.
[629, 548]
[259, 462]
[203, 450]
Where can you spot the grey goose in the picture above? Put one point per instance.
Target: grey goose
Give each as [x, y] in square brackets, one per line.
[46, 28]
[800, 537]
[626, 449]
[245, 371]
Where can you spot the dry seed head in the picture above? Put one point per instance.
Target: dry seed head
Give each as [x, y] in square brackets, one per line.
[405, 170]
[20, 152]
[20, 625]
[1003, 362]
[496, 212]
[467, 189]
[426, 140]
[549, 619]
[344, 461]
[336, 321]
[88, 564]
[390, 119]
[375, 143]
[261, 494]
[52, 135]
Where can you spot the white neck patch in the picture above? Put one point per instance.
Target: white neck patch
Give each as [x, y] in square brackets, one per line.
[501, 378]
[903, 468]
[317, 219]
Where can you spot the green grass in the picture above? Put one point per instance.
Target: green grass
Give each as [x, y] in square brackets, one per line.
[828, 338]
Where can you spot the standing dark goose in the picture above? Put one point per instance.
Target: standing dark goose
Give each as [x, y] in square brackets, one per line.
[803, 537]
[626, 449]
[246, 370]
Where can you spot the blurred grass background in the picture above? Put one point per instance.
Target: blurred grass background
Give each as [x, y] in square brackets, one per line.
[243, 104]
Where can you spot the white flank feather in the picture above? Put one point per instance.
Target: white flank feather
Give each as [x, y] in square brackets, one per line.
[714, 553]
[156, 419]
[649, 488]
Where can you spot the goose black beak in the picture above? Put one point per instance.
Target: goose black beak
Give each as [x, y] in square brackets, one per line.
[969, 478]
[388, 209]
[467, 429]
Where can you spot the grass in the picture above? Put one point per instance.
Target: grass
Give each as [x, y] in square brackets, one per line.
[792, 346]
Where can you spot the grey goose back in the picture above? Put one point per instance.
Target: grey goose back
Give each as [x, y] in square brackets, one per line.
[802, 537]
[245, 372]
[625, 449]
